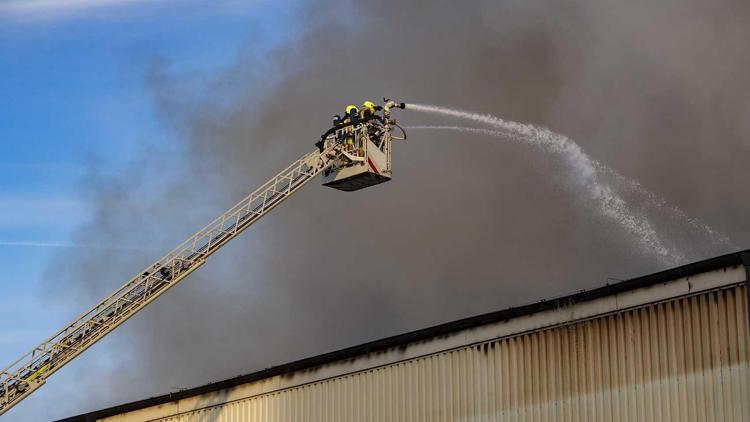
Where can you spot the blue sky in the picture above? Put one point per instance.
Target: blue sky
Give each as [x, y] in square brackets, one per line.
[74, 100]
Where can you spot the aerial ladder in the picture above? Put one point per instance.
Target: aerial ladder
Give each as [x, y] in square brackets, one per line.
[351, 155]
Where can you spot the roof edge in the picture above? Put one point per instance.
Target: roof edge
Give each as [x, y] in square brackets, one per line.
[741, 257]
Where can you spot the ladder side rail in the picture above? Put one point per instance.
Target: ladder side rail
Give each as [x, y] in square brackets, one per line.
[135, 281]
[101, 321]
[72, 325]
[197, 236]
[56, 351]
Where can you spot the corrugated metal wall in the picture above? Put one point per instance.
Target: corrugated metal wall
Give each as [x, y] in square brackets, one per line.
[683, 360]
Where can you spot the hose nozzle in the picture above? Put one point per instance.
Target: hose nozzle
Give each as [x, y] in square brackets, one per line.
[389, 104]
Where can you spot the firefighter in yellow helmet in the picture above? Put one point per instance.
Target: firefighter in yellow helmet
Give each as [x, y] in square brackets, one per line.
[351, 115]
[368, 109]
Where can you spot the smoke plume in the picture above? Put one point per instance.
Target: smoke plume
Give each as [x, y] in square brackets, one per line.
[657, 92]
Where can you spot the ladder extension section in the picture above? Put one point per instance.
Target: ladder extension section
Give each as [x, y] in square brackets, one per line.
[31, 371]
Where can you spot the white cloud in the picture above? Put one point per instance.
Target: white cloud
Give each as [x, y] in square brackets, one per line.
[44, 10]
[47, 6]
[56, 9]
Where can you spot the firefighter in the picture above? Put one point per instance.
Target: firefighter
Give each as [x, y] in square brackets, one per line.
[368, 109]
[337, 120]
[352, 113]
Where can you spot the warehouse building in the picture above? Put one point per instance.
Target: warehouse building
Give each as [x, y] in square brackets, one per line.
[673, 345]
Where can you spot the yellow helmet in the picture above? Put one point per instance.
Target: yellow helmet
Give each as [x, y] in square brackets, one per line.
[351, 108]
[369, 105]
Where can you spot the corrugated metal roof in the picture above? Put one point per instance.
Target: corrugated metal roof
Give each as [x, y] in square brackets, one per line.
[724, 261]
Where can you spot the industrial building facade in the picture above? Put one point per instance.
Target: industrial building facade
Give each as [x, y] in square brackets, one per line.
[674, 345]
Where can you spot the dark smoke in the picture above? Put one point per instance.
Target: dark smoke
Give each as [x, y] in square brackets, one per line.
[657, 91]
